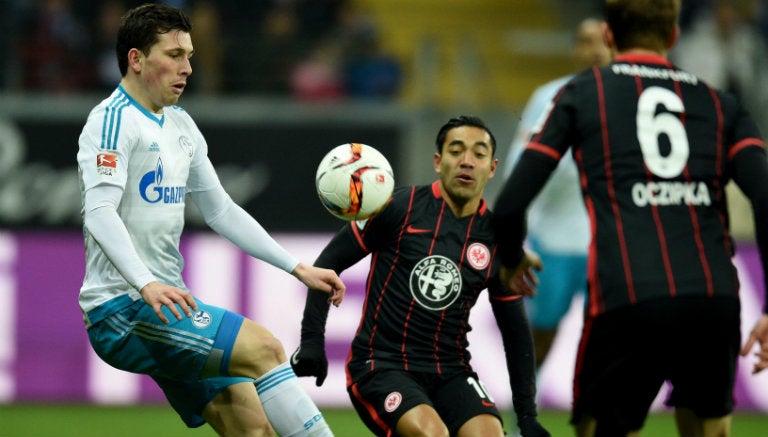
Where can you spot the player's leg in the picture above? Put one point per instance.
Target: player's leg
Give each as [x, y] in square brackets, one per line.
[617, 376]
[237, 412]
[422, 420]
[708, 335]
[258, 354]
[395, 402]
[688, 424]
[475, 415]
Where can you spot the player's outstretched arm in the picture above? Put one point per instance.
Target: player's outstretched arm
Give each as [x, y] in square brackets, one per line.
[321, 279]
[519, 352]
[759, 336]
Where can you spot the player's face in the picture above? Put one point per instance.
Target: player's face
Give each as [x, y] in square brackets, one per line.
[465, 165]
[164, 71]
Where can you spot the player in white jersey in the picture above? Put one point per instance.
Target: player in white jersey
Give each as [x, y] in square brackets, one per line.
[558, 228]
[138, 159]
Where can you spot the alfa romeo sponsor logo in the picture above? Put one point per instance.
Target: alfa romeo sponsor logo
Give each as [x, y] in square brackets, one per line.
[435, 282]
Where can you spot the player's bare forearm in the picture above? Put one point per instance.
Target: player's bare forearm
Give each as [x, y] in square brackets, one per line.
[325, 280]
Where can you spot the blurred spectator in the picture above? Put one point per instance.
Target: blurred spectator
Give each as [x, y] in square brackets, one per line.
[209, 53]
[724, 47]
[54, 49]
[262, 61]
[318, 77]
[108, 22]
[368, 71]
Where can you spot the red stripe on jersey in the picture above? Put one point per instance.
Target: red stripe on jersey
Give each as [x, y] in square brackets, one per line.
[663, 247]
[585, 332]
[543, 148]
[358, 236]
[405, 334]
[611, 184]
[747, 142]
[370, 410]
[721, 190]
[392, 268]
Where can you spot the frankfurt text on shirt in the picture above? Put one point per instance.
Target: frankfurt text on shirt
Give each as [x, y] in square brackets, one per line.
[654, 73]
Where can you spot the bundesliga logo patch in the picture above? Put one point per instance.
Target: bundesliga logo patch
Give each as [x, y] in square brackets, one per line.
[106, 164]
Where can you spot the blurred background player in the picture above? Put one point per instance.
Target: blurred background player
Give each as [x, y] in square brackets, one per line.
[558, 228]
[655, 148]
[432, 254]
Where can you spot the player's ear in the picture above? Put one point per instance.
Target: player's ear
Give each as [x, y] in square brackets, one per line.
[674, 37]
[436, 158]
[608, 36]
[135, 59]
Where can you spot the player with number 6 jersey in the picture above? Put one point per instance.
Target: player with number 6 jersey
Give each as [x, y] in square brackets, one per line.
[432, 254]
[655, 147]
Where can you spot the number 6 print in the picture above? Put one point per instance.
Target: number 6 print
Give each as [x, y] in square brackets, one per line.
[650, 126]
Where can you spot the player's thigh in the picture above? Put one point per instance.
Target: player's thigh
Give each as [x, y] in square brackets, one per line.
[618, 374]
[463, 400]
[383, 398]
[237, 412]
[255, 351]
[703, 365]
[135, 340]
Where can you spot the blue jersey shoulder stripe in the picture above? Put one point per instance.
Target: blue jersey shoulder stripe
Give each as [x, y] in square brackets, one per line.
[109, 132]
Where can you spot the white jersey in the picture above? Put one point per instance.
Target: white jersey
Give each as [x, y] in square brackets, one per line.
[557, 218]
[156, 159]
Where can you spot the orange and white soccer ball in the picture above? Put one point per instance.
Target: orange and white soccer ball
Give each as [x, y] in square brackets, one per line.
[354, 181]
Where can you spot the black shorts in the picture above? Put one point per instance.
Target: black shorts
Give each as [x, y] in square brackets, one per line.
[626, 355]
[382, 397]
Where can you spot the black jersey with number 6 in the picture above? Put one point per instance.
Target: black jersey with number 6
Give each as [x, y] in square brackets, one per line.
[655, 147]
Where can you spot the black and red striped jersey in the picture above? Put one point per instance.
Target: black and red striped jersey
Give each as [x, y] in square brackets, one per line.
[655, 147]
[428, 268]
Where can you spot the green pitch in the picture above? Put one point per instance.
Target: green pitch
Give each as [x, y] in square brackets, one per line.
[160, 421]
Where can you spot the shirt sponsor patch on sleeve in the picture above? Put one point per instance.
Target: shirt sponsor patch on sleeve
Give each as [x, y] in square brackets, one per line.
[106, 164]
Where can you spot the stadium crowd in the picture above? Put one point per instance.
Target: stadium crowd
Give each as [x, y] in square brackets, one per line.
[313, 49]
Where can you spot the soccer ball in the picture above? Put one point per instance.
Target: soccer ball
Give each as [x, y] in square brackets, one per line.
[354, 181]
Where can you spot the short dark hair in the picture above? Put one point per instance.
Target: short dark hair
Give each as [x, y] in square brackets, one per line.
[647, 24]
[140, 27]
[463, 120]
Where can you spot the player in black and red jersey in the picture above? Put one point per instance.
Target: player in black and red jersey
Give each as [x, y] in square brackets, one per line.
[655, 148]
[433, 252]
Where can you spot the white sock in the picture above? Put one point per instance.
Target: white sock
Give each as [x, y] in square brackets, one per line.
[289, 409]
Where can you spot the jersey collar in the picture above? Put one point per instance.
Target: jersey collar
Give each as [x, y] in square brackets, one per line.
[643, 58]
[439, 195]
[159, 120]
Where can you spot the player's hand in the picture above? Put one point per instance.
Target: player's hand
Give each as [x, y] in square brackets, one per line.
[310, 360]
[322, 279]
[159, 295]
[530, 427]
[522, 280]
[758, 335]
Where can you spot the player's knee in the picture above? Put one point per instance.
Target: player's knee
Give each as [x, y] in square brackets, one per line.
[226, 425]
[422, 427]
